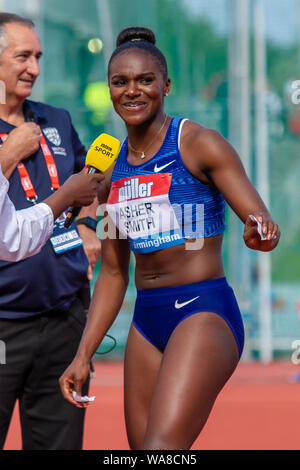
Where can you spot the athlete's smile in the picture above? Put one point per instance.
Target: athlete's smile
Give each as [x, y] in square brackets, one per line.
[134, 105]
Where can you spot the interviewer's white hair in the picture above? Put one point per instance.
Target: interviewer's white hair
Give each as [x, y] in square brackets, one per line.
[6, 18]
[3, 39]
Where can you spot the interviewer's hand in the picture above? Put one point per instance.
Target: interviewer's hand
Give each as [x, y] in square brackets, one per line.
[79, 190]
[73, 379]
[269, 229]
[23, 141]
[82, 188]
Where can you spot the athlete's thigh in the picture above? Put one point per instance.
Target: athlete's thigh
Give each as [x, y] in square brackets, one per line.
[141, 365]
[199, 358]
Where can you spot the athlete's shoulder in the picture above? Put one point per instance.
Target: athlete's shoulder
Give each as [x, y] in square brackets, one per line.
[203, 145]
[205, 137]
[192, 131]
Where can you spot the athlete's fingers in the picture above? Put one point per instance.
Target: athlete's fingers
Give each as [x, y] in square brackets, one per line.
[67, 387]
[255, 226]
[251, 221]
[275, 231]
[77, 390]
[261, 224]
[268, 230]
[90, 273]
[264, 228]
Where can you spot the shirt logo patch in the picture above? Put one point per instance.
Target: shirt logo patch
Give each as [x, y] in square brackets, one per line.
[52, 135]
[159, 168]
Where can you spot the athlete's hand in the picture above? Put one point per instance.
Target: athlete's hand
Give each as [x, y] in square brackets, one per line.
[73, 379]
[261, 232]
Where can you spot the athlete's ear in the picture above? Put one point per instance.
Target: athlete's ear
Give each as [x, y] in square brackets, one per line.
[167, 86]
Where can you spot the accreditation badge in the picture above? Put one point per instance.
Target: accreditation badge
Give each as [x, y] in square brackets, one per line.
[64, 239]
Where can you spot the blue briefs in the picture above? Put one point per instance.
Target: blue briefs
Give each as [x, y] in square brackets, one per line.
[158, 311]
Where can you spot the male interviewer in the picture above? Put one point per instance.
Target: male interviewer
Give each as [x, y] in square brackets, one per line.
[41, 313]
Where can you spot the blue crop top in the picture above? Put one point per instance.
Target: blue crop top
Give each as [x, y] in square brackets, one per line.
[159, 203]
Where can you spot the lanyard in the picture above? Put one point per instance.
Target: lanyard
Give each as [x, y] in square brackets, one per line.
[24, 176]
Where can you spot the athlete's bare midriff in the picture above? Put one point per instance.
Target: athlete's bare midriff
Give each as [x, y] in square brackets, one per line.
[179, 265]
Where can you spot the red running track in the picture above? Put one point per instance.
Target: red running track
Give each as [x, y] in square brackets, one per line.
[258, 409]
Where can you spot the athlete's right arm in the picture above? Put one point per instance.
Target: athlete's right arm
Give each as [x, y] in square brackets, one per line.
[106, 302]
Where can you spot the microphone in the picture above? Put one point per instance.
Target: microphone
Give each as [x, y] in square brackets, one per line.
[99, 159]
[30, 116]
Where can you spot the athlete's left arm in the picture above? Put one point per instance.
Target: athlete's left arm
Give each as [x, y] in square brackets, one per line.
[90, 239]
[222, 165]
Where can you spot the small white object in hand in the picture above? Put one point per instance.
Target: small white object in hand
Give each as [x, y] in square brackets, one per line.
[84, 399]
[259, 229]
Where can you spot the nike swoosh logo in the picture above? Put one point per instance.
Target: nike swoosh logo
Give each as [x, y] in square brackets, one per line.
[159, 168]
[180, 305]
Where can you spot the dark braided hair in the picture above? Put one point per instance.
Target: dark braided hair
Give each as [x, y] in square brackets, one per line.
[137, 37]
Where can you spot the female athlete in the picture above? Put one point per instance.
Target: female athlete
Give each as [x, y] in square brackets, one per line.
[167, 193]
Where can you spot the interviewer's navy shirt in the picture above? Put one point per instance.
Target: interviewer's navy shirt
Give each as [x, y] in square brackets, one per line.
[46, 281]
